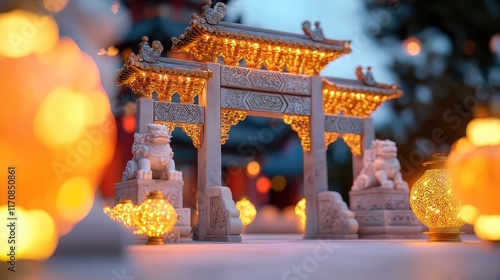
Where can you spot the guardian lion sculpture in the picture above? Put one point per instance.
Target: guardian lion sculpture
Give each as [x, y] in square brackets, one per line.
[381, 168]
[152, 156]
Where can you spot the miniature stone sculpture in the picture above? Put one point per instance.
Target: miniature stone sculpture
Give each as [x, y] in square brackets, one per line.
[148, 53]
[379, 196]
[316, 34]
[381, 168]
[153, 157]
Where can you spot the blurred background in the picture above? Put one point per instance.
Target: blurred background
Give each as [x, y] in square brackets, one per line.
[56, 55]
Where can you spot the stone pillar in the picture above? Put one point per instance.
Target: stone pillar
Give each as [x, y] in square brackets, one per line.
[144, 114]
[366, 141]
[218, 218]
[209, 153]
[315, 175]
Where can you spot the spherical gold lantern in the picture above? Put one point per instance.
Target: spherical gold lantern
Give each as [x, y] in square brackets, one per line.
[432, 202]
[122, 212]
[247, 211]
[155, 217]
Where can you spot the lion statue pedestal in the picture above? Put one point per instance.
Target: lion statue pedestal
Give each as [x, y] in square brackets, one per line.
[153, 168]
[379, 196]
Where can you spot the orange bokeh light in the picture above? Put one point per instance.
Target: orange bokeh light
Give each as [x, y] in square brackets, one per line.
[263, 185]
[253, 168]
[129, 123]
[412, 46]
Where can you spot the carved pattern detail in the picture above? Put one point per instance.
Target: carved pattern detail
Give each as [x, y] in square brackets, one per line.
[343, 124]
[147, 53]
[178, 113]
[300, 124]
[265, 102]
[297, 105]
[265, 80]
[229, 118]
[194, 131]
[218, 217]
[374, 219]
[379, 199]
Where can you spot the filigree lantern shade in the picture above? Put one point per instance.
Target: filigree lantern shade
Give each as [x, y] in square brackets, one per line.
[122, 212]
[155, 217]
[432, 202]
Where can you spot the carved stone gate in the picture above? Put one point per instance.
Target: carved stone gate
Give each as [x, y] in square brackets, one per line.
[319, 109]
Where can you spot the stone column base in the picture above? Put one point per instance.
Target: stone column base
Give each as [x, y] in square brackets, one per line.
[138, 189]
[388, 224]
[223, 219]
[335, 220]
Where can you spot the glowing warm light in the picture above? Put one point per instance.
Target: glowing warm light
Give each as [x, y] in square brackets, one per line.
[263, 185]
[432, 201]
[487, 227]
[278, 183]
[300, 211]
[129, 123]
[24, 33]
[247, 211]
[115, 8]
[468, 213]
[122, 212]
[412, 46]
[476, 177]
[75, 198]
[253, 168]
[484, 131]
[55, 6]
[155, 217]
[60, 119]
[97, 107]
[111, 51]
[35, 236]
[463, 145]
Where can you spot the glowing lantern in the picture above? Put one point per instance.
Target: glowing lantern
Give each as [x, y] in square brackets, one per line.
[300, 211]
[155, 217]
[478, 185]
[432, 202]
[247, 211]
[122, 212]
[58, 129]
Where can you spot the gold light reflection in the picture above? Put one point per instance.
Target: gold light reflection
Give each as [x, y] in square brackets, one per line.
[484, 131]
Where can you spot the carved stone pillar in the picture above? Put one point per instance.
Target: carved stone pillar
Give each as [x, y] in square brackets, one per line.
[216, 208]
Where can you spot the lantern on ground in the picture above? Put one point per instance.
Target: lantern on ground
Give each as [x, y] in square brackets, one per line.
[300, 211]
[122, 212]
[432, 201]
[155, 218]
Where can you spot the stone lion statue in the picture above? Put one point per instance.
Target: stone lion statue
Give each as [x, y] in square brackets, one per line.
[153, 157]
[381, 168]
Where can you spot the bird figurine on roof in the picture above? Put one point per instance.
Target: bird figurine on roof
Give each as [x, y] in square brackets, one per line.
[148, 53]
